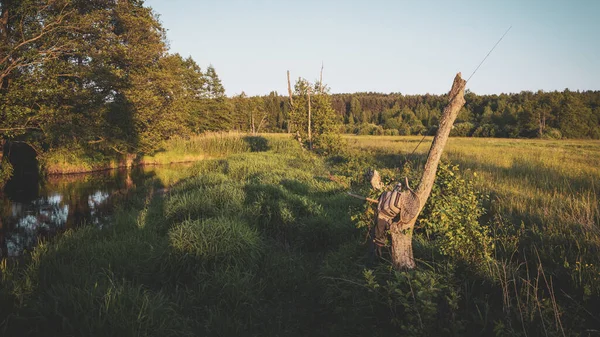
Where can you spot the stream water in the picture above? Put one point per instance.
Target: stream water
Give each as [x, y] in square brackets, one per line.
[34, 208]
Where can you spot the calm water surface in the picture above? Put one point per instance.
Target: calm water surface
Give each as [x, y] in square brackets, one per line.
[32, 208]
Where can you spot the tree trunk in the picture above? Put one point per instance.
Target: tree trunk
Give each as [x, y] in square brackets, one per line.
[309, 126]
[321, 80]
[290, 90]
[402, 254]
[289, 126]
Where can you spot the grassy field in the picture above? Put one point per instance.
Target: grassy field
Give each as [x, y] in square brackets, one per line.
[545, 182]
[264, 241]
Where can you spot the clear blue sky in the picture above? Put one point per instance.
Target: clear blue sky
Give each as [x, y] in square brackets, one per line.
[412, 47]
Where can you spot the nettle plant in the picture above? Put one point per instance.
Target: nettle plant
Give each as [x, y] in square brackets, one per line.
[451, 217]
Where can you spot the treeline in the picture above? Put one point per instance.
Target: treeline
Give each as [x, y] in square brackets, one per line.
[97, 75]
[555, 114]
[543, 114]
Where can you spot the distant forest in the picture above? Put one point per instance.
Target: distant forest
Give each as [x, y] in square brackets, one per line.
[98, 76]
[555, 114]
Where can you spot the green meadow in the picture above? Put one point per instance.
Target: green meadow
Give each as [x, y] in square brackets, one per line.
[262, 240]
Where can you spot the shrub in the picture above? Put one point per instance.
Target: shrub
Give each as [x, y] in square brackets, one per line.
[451, 217]
[462, 129]
[418, 300]
[391, 132]
[486, 130]
[552, 133]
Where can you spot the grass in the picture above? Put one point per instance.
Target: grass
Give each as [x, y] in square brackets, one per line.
[262, 240]
[175, 150]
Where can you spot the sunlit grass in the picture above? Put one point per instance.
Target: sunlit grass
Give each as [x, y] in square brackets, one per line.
[547, 181]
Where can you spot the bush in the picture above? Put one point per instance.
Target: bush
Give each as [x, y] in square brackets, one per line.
[552, 133]
[451, 217]
[391, 132]
[462, 129]
[369, 129]
[486, 130]
[418, 300]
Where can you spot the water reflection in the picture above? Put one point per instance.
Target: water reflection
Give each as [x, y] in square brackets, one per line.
[30, 210]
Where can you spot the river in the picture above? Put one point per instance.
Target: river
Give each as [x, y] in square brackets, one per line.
[34, 208]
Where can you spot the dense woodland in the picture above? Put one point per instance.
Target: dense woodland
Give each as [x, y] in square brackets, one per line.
[98, 75]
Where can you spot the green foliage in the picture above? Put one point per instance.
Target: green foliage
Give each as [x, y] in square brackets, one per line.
[324, 121]
[452, 215]
[462, 129]
[417, 300]
[6, 171]
[524, 114]
[98, 76]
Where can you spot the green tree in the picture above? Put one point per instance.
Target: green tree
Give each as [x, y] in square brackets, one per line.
[213, 84]
[324, 120]
[356, 109]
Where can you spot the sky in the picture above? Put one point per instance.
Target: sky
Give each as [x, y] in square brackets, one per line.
[412, 47]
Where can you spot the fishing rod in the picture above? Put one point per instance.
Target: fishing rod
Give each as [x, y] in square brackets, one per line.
[473, 73]
[488, 54]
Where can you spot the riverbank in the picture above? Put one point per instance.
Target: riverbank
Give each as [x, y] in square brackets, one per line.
[176, 150]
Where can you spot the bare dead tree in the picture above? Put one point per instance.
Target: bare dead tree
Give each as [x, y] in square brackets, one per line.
[291, 100]
[290, 90]
[309, 120]
[410, 203]
[262, 122]
[321, 80]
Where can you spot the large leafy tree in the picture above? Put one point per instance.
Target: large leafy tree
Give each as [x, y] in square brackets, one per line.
[96, 73]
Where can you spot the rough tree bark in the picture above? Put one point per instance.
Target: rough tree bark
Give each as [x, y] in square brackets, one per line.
[291, 101]
[290, 90]
[321, 80]
[309, 118]
[402, 253]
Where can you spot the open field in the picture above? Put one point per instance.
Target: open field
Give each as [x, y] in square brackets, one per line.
[538, 181]
[264, 242]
